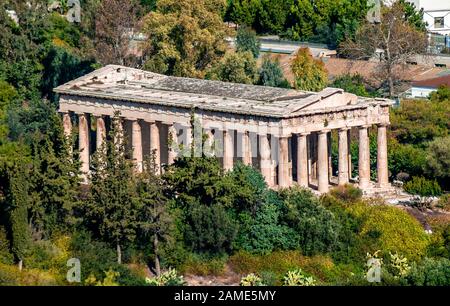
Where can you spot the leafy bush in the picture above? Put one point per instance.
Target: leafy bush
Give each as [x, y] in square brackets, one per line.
[168, 278]
[298, 278]
[347, 193]
[97, 257]
[316, 227]
[11, 276]
[251, 280]
[438, 160]
[203, 265]
[278, 263]
[422, 186]
[389, 229]
[406, 159]
[109, 280]
[430, 272]
[444, 202]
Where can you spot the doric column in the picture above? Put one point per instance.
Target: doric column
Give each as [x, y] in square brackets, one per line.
[83, 125]
[283, 162]
[246, 149]
[343, 157]
[330, 162]
[67, 125]
[101, 131]
[228, 150]
[155, 145]
[350, 166]
[302, 160]
[209, 146]
[364, 157]
[136, 142]
[382, 161]
[173, 144]
[322, 162]
[265, 159]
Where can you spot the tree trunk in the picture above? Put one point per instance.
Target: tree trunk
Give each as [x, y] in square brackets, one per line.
[119, 254]
[156, 250]
[391, 86]
[20, 264]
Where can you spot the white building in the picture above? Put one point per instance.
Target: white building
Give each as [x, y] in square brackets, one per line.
[436, 13]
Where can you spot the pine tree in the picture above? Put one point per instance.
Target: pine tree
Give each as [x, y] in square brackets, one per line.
[15, 191]
[154, 218]
[110, 207]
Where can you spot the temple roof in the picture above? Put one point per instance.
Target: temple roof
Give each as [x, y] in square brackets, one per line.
[128, 84]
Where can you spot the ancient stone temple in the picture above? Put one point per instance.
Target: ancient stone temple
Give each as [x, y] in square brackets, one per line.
[284, 133]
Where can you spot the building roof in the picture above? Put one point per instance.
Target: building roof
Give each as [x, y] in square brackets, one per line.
[127, 84]
[434, 82]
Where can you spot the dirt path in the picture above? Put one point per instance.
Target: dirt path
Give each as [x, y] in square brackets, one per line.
[228, 278]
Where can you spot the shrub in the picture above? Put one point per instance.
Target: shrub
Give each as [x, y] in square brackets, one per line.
[430, 272]
[347, 193]
[298, 278]
[278, 263]
[390, 229]
[316, 227]
[168, 278]
[444, 202]
[11, 276]
[109, 280]
[438, 160]
[251, 280]
[203, 265]
[423, 187]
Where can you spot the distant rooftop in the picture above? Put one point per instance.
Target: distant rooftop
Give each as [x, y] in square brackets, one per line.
[127, 84]
[433, 83]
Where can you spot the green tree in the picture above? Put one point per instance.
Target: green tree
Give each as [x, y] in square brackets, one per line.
[204, 196]
[414, 15]
[271, 74]
[440, 95]
[246, 40]
[110, 208]
[351, 83]
[236, 67]
[14, 189]
[438, 160]
[154, 218]
[316, 227]
[184, 37]
[309, 73]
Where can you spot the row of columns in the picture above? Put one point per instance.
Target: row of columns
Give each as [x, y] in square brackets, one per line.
[265, 159]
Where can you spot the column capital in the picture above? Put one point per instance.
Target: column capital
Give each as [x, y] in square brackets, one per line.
[303, 134]
[344, 129]
[365, 126]
[383, 124]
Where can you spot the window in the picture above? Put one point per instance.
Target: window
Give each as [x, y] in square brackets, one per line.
[438, 22]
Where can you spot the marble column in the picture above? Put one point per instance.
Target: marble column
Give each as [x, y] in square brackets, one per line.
[302, 160]
[228, 150]
[265, 159]
[283, 163]
[209, 145]
[364, 157]
[136, 142]
[343, 157]
[322, 162]
[101, 132]
[155, 145]
[382, 161]
[67, 125]
[83, 125]
[330, 161]
[246, 149]
[173, 144]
